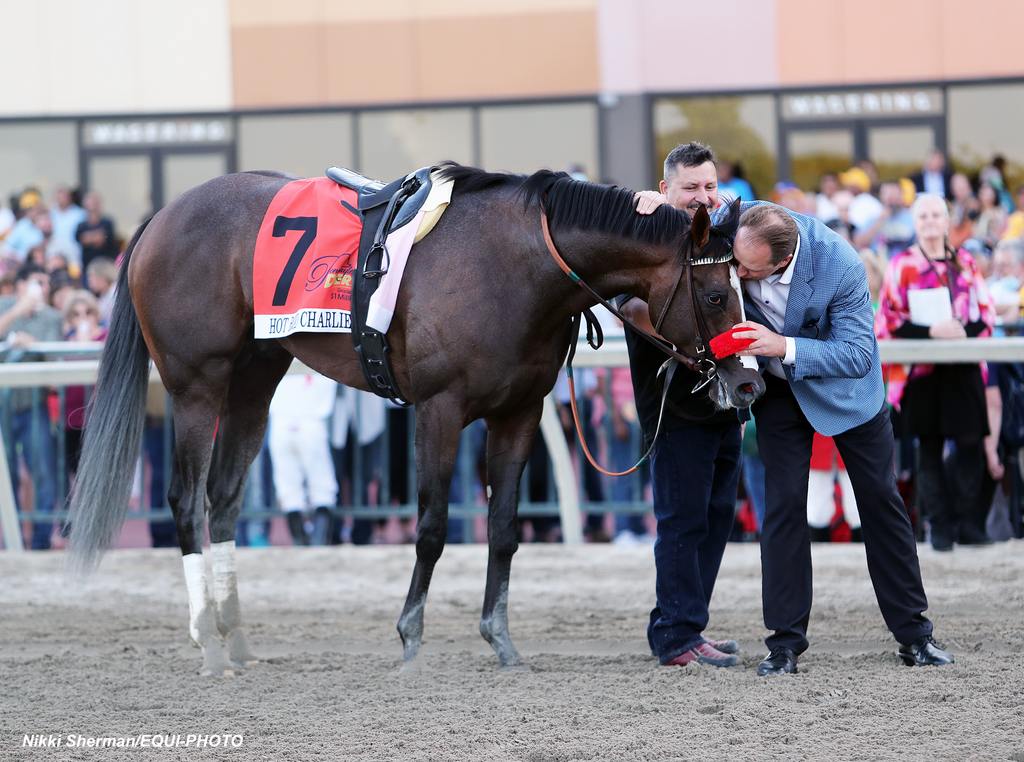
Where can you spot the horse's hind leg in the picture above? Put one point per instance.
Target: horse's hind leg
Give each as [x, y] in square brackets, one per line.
[438, 425]
[509, 442]
[238, 441]
[196, 408]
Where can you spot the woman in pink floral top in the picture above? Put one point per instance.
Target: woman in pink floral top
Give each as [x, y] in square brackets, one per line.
[946, 401]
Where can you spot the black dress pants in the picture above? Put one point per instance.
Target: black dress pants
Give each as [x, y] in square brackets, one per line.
[951, 490]
[784, 440]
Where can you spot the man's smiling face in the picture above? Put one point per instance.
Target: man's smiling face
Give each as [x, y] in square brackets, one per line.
[689, 187]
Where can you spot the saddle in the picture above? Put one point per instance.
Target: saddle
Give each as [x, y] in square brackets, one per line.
[383, 209]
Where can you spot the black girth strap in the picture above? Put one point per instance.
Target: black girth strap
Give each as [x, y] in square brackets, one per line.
[371, 345]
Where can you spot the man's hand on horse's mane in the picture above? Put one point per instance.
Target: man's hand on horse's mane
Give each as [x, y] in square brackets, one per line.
[647, 201]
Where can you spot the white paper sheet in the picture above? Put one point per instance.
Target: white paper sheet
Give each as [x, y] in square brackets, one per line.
[929, 306]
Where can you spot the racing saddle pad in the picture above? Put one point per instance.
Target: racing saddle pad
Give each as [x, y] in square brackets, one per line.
[306, 254]
[304, 260]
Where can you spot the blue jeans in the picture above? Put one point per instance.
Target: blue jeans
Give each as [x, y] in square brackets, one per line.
[695, 471]
[257, 498]
[163, 532]
[40, 453]
[626, 489]
[753, 482]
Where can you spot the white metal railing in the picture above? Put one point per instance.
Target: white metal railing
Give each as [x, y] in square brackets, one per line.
[612, 354]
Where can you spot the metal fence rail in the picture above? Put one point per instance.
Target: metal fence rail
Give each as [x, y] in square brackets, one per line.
[566, 504]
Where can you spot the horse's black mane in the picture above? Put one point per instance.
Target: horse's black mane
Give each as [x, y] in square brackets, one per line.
[576, 204]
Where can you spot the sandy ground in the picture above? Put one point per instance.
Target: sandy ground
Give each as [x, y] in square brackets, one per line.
[112, 658]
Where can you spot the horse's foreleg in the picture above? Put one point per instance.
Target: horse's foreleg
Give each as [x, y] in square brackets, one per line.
[438, 426]
[509, 441]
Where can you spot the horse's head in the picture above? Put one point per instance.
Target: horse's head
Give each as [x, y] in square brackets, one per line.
[691, 304]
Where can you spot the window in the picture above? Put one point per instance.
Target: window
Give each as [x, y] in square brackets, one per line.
[124, 184]
[899, 150]
[555, 136]
[740, 129]
[985, 120]
[184, 171]
[44, 154]
[300, 144]
[813, 153]
[394, 143]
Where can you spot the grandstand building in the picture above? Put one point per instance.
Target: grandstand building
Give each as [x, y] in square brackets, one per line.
[791, 88]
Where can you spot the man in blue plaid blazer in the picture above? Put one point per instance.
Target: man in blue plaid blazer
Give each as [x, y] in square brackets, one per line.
[809, 313]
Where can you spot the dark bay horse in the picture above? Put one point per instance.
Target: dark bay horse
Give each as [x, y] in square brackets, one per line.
[481, 328]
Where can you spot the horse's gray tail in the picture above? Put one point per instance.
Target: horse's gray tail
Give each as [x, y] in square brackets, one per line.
[113, 432]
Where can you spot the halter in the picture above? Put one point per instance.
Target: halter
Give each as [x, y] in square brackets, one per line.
[703, 363]
[707, 368]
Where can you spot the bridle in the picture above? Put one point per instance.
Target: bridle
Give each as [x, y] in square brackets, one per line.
[704, 360]
[703, 363]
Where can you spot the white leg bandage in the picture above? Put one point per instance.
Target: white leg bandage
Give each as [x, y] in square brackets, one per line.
[195, 583]
[224, 577]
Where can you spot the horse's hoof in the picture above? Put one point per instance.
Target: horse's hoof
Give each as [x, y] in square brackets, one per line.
[216, 672]
[512, 662]
[214, 662]
[411, 649]
[237, 648]
[244, 664]
[517, 666]
[410, 667]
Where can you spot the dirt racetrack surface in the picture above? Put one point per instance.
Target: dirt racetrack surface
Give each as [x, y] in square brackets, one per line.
[111, 658]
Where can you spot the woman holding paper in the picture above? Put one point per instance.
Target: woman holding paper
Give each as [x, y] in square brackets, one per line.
[932, 291]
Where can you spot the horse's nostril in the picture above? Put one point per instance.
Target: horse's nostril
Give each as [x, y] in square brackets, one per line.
[748, 389]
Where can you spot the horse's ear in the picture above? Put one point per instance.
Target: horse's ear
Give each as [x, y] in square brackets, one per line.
[731, 220]
[700, 228]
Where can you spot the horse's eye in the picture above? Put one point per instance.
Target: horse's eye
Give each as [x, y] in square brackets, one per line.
[715, 299]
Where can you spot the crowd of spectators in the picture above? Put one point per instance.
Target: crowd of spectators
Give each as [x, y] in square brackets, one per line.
[58, 275]
[57, 278]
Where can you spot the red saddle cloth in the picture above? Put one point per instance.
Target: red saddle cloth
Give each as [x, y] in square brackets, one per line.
[305, 256]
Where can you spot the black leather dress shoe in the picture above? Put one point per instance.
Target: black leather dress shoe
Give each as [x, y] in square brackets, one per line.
[924, 653]
[781, 661]
[972, 535]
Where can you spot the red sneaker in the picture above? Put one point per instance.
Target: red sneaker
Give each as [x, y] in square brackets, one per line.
[725, 646]
[704, 653]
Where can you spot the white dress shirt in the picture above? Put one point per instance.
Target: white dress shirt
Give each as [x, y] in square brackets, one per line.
[934, 183]
[771, 295]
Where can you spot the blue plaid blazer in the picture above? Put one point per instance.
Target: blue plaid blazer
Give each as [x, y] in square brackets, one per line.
[837, 377]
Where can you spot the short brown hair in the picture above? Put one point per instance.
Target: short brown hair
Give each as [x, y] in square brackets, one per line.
[773, 226]
[687, 155]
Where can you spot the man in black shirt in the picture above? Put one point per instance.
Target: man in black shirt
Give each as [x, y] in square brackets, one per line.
[95, 234]
[695, 464]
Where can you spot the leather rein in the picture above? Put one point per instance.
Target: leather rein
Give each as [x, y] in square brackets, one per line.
[703, 364]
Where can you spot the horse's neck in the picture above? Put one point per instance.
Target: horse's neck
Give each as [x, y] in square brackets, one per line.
[612, 266]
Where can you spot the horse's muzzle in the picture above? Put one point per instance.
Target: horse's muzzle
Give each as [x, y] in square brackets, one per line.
[738, 386]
